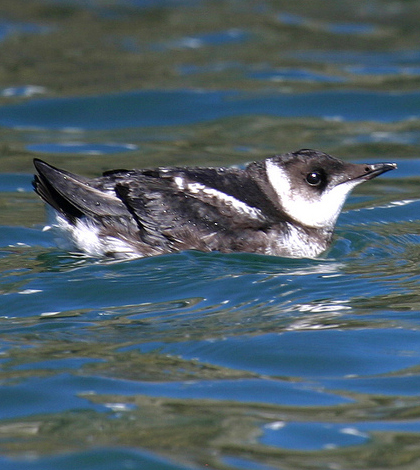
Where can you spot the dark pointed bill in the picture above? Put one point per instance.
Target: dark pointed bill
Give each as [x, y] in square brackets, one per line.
[372, 171]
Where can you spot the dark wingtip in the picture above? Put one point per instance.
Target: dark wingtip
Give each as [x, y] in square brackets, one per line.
[37, 162]
[45, 185]
[40, 179]
[37, 182]
[40, 165]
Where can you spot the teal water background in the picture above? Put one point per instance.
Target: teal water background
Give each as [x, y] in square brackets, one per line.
[197, 360]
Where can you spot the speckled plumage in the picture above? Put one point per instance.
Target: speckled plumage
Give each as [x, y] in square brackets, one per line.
[269, 207]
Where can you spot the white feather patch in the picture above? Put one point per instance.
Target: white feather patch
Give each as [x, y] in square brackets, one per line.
[85, 236]
[197, 189]
[318, 210]
[295, 243]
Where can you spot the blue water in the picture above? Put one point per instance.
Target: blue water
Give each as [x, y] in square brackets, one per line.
[345, 28]
[169, 108]
[207, 360]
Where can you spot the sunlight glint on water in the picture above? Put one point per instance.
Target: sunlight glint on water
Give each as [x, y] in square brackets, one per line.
[198, 360]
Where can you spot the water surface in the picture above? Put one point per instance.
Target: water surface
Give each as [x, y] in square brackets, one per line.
[206, 360]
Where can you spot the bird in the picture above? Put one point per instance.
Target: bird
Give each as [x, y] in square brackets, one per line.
[286, 205]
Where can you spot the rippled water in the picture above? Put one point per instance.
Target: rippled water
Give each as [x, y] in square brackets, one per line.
[198, 360]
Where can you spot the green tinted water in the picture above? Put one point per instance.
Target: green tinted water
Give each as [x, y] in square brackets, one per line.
[210, 360]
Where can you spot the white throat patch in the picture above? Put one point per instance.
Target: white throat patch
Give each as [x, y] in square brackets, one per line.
[317, 210]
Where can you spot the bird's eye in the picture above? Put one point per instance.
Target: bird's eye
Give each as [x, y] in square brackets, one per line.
[314, 178]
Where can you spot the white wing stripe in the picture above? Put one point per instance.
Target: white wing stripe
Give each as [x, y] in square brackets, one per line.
[206, 194]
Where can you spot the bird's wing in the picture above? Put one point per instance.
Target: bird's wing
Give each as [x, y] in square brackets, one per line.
[169, 198]
[74, 195]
